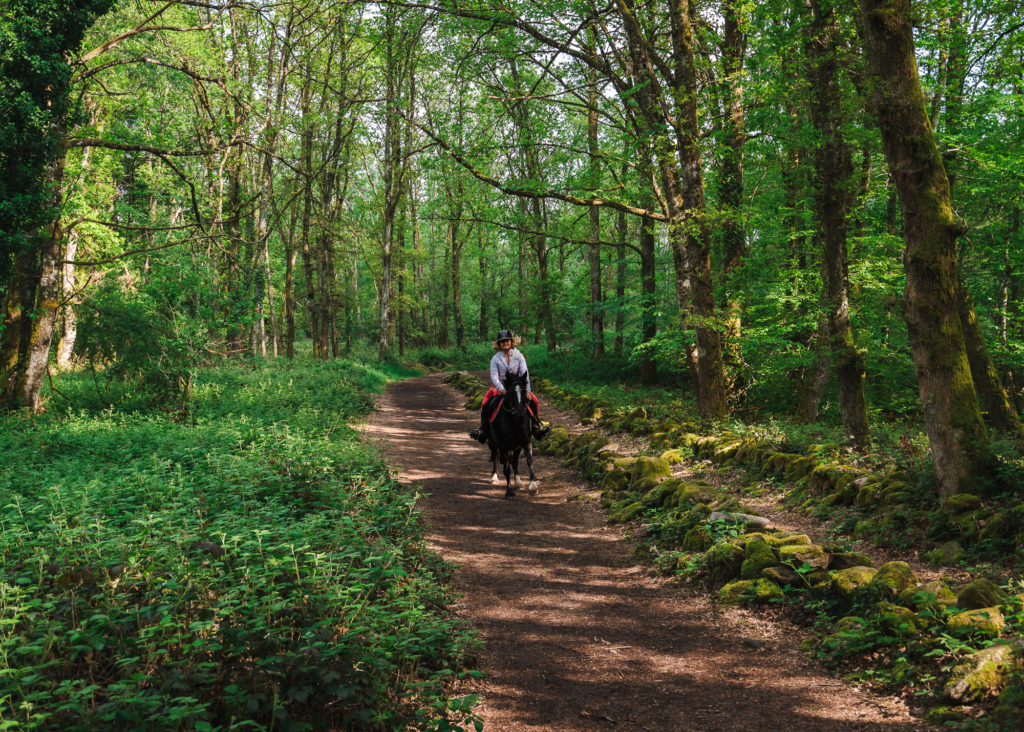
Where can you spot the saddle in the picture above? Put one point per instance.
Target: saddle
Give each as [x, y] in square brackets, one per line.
[491, 406]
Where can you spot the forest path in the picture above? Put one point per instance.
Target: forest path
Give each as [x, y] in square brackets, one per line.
[578, 636]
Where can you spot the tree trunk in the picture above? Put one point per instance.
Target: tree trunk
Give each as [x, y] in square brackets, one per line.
[999, 412]
[291, 254]
[956, 432]
[621, 232]
[35, 358]
[594, 248]
[689, 234]
[484, 289]
[833, 193]
[68, 318]
[734, 245]
[307, 211]
[815, 378]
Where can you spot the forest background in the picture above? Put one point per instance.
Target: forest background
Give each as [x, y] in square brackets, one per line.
[735, 199]
[795, 220]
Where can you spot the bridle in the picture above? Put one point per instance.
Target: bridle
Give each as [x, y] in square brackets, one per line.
[517, 406]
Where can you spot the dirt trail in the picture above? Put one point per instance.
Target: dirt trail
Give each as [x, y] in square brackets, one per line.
[578, 637]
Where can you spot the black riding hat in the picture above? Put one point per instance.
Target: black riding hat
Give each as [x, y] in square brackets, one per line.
[505, 335]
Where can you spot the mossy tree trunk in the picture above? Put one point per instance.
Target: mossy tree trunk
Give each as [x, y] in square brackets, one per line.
[689, 233]
[956, 432]
[621, 231]
[734, 240]
[648, 271]
[999, 412]
[594, 248]
[947, 110]
[833, 193]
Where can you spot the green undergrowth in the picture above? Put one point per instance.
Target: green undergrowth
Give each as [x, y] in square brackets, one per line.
[888, 499]
[247, 564]
[958, 653]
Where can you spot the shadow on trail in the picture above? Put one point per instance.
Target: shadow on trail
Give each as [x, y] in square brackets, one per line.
[577, 637]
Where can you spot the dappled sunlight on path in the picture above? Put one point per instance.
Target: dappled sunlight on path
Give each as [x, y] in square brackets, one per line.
[577, 636]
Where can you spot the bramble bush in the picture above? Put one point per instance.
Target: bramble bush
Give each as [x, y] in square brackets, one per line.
[254, 566]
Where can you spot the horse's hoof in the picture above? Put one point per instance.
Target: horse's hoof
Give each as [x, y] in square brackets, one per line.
[532, 489]
[510, 496]
[519, 483]
[494, 479]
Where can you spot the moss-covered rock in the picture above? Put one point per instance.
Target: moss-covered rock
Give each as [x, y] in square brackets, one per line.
[961, 503]
[945, 555]
[849, 635]
[690, 494]
[1001, 527]
[981, 674]
[868, 487]
[797, 555]
[852, 623]
[799, 468]
[945, 715]
[847, 583]
[697, 539]
[558, 436]
[787, 538]
[899, 620]
[672, 457]
[724, 561]
[648, 467]
[933, 595]
[782, 575]
[625, 464]
[657, 495]
[845, 560]
[756, 536]
[968, 523]
[759, 555]
[743, 592]
[894, 577]
[986, 621]
[981, 593]
[627, 512]
[865, 528]
[614, 480]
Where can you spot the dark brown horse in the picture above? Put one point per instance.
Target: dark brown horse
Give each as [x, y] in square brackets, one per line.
[510, 435]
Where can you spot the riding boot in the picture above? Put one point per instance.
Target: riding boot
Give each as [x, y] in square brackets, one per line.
[482, 432]
[539, 432]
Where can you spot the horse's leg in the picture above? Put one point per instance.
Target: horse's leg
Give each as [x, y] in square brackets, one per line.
[515, 468]
[494, 465]
[532, 489]
[510, 492]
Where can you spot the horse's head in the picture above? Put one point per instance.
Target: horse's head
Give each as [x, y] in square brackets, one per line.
[515, 394]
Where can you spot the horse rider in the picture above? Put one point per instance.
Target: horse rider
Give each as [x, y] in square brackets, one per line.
[508, 359]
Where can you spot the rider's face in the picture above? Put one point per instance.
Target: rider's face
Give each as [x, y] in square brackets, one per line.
[505, 344]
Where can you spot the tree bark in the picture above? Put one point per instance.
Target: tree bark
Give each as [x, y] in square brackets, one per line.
[621, 232]
[734, 245]
[956, 432]
[833, 188]
[68, 318]
[594, 247]
[999, 412]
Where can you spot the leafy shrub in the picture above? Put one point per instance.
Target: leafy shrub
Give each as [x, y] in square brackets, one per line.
[254, 567]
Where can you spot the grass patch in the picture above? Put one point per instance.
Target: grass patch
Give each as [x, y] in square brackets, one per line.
[251, 564]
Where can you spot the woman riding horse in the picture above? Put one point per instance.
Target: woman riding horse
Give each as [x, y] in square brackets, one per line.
[508, 359]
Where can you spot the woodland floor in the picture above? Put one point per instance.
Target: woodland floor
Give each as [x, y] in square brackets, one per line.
[578, 634]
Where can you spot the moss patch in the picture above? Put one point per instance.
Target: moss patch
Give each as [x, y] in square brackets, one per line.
[982, 673]
[743, 592]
